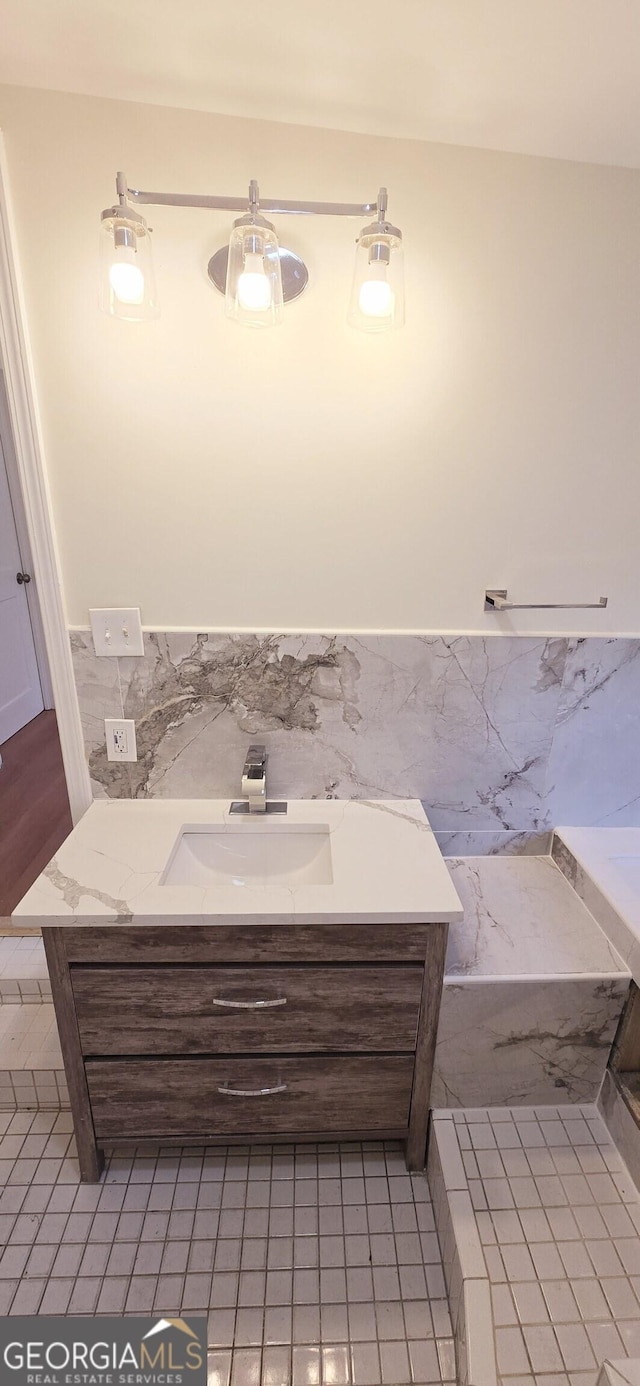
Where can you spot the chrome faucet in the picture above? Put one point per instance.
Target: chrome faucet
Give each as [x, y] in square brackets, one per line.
[254, 786]
[254, 778]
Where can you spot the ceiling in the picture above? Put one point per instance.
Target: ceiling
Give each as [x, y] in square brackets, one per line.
[551, 77]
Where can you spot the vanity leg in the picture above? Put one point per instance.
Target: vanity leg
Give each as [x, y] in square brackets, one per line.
[416, 1147]
[90, 1158]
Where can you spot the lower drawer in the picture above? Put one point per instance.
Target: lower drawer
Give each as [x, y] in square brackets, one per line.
[199, 1097]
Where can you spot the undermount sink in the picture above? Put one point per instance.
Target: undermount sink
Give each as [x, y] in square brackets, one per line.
[251, 854]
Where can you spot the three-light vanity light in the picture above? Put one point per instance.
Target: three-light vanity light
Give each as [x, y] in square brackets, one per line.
[255, 273]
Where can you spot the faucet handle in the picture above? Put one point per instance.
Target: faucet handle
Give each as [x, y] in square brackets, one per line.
[256, 755]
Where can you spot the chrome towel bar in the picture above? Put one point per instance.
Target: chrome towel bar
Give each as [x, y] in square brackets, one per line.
[496, 600]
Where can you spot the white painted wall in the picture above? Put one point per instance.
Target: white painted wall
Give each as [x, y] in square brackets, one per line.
[314, 477]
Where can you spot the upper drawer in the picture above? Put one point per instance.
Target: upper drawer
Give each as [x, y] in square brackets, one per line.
[224, 1010]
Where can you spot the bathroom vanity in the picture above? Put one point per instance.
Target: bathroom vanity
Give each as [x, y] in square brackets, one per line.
[225, 981]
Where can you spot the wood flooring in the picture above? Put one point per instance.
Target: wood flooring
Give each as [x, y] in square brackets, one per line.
[34, 808]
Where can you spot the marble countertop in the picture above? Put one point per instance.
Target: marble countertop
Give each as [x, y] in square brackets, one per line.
[522, 918]
[387, 868]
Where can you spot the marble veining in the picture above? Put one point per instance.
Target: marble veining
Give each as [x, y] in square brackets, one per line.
[72, 892]
[504, 735]
[533, 989]
[522, 918]
[497, 843]
[566, 863]
[516, 1043]
[595, 752]
[463, 723]
[386, 868]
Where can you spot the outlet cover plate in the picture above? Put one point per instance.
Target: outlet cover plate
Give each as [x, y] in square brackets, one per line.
[117, 630]
[120, 730]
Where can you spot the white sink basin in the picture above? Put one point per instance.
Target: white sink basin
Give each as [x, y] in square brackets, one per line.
[251, 854]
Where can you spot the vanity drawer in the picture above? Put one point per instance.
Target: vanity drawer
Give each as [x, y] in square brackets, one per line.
[149, 1098]
[222, 1010]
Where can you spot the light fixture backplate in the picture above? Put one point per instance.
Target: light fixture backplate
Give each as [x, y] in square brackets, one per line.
[295, 275]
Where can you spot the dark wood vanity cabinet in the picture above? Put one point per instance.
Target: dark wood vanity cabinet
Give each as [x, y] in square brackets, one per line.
[242, 1033]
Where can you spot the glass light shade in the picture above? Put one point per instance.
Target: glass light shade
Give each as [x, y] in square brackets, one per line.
[377, 294]
[127, 283]
[254, 279]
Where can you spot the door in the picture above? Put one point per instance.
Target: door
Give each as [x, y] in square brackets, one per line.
[20, 691]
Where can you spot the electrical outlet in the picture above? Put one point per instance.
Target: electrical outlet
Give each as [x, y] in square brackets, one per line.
[117, 631]
[121, 738]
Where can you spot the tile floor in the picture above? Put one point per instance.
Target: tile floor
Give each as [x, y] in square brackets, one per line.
[23, 970]
[314, 1266]
[322, 1265]
[31, 1072]
[559, 1220]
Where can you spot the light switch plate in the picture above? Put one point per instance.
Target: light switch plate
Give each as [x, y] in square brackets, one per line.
[121, 738]
[117, 631]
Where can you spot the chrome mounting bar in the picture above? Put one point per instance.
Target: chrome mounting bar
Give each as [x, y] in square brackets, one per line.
[241, 204]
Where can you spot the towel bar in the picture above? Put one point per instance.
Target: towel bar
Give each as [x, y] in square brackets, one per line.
[496, 600]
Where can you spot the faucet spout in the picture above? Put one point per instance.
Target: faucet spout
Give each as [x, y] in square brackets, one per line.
[254, 779]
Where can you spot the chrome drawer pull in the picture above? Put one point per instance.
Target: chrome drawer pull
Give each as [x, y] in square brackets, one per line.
[252, 1092]
[249, 1005]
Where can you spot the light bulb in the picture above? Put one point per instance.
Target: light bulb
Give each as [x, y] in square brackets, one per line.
[127, 281]
[376, 298]
[254, 288]
[127, 286]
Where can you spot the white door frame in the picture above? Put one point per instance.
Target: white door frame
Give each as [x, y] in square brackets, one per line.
[30, 463]
[8, 451]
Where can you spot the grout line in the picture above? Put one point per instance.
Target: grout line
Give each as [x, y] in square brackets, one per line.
[586, 1182]
[122, 1196]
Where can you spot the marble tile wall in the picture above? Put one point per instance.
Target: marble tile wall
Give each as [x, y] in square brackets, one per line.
[520, 1043]
[533, 990]
[501, 737]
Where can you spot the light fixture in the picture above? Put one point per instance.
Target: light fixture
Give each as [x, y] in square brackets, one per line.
[253, 289]
[377, 294]
[255, 273]
[127, 285]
